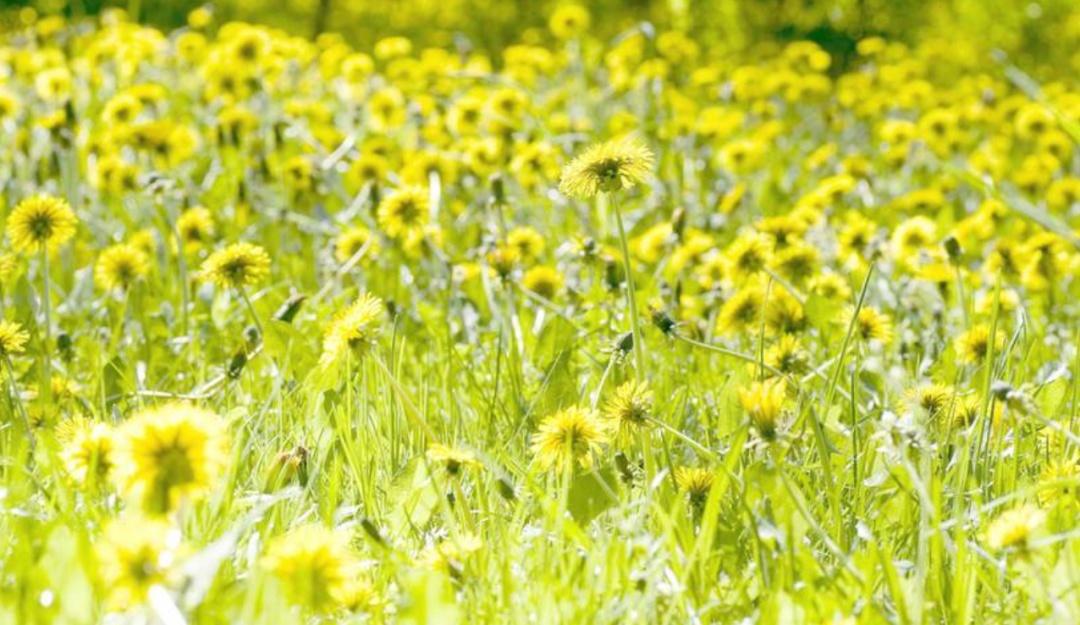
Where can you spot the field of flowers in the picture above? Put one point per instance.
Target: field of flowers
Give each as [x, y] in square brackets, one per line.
[585, 329]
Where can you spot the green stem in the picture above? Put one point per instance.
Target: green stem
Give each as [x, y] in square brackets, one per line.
[46, 297]
[631, 299]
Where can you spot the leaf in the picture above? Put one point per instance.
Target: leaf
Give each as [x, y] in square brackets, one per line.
[591, 494]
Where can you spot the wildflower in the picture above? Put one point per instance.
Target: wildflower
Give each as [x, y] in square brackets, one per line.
[606, 168]
[196, 227]
[120, 266]
[41, 221]
[13, 338]
[451, 555]
[452, 459]
[629, 408]
[527, 241]
[404, 213]
[934, 399]
[314, 565]
[569, 436]
[741, 311]
[569, 21]
[237, 266]
[748, 255]
[170, 454]
[787, 355]
[873, 325]
[134, 555]
[352, 241]
[87, 452]
[1013, 529]
[830, 286]
[974, 345]
[1060, 483]
[354, 330]
[543, 280]
[764, 402]
[696, 482]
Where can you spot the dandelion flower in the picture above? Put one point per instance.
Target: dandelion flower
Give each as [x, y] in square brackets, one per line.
[1054, 486]
[169, 454]
[13, 338]
[196, 227]
[451, 555]
[934, 399]
[873, 325]
[629, 408]
[452, 458]
[606, 168]
[974, 345]
[404, 213]
[314, 564]
[543, 280]
[136, 554]
[87, 452]
[41, 221]
[236, 266]
[568, 436]
[1013, 529]
[569, 21]
[764, 402]
[120, 266]
[696, 482]
[354, 331]
[352, 241]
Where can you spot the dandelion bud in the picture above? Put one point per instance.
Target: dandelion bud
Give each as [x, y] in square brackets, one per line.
[287, 312]
[952, 248]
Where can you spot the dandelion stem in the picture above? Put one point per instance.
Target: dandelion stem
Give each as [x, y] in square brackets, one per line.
[631, 299]
[46, 383]
[251, 311]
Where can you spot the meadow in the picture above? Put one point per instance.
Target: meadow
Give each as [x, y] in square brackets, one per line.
[612, 323]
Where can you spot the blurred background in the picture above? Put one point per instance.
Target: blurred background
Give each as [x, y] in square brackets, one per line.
[1037, 33]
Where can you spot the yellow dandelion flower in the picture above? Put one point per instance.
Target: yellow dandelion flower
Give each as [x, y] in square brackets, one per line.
[354, 330]
[974, 345]
[170, 454]
[787, 355]
[236, 266]
[748, 255]
[88, 451]
[451, 555]
[543, 280]
[934, 399]
[120, 266]
[569, 21]
[629, 408]
[452, 458]
[1014, 529]
[314, 565]
[606, 168]
[741, 311]
[352, 241]
[13, 338]
[764, 402]
[1059, 482]
[696, 482]
[527, 241]
[196, 227]
[569, 436]
[134, 555]
[872, 325]
[404, 213]
[41, 221]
